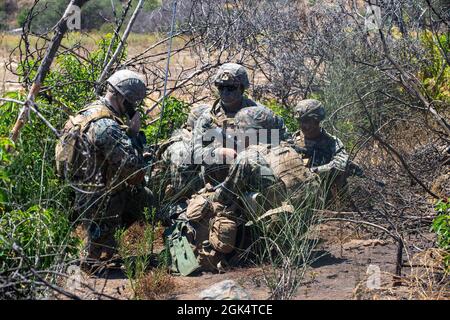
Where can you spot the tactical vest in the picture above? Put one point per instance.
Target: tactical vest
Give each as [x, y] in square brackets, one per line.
[221, 119]
[69, 144]
[319, 151]
[218, 172]
[287, 166]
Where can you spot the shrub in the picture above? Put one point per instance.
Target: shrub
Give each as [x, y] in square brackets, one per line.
[283, 241]
[435, 78]
[441, 226]
[3, 25]
[151, 5]
[22, 17]
[135, 246]
[43, 234]
[285, 113]
[175, 115]
[155, 285]
[34, 203]
[94, 14]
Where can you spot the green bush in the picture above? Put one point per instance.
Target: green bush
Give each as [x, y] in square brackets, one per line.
[3, 25]
[43, 235]
[288, 116]
[49, 13]
[22, 16]
[35, 205]
[94, 14]
[175, 115]
[436, 79]
[441, 226]
[5, 161]
[151, 5]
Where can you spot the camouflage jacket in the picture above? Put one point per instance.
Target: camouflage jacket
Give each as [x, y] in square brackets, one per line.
[108, 155]
[272, 171]
[325, 153]
[218, 121]
[209, 134]
[217, 118]
[183, 175]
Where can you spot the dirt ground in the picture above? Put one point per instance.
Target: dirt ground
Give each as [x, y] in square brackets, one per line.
[340, 271]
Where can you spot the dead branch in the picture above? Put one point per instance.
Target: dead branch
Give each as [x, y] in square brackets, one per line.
[60, 30]
[119, 48]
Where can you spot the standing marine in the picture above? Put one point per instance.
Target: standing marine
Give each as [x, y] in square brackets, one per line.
[100, 154]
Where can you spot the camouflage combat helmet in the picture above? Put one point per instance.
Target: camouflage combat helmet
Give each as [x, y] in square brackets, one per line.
[232, 74]
[310, 108]
[129, 84]
[195, 113]
[258, 117]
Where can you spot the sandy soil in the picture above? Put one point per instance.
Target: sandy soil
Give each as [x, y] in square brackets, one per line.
[340, 272]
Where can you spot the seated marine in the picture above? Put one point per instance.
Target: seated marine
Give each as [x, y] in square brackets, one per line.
[262, 178]
[180, 177]
[323, 151]
[210, 143]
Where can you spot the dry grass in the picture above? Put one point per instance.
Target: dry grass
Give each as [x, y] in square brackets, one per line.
[155, 285]
[133, 236]
[428, 280]
[133, 239]
[136, 42]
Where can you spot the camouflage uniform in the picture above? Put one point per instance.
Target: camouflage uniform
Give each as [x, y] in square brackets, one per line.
[274, 171]
[221, 120]
[177, 160]
[261, 177]
[108, 191]
[181, 177]
[326, 153]
[104, 199]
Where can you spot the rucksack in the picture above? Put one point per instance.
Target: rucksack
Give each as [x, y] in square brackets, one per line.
[288, 166]
[182, 258]
[69, 143]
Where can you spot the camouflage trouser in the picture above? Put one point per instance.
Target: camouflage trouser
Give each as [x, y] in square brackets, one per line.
[212, 232]
[99, 217]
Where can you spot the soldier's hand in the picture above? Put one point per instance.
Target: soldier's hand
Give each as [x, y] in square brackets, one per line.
[135, 123]
[226, 153]
[147, 155]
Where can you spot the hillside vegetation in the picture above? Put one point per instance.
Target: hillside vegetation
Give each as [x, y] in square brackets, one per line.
[385, 88]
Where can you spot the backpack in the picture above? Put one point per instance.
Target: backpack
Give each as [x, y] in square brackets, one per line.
[288, 166]
[182, 258]
[69, 144]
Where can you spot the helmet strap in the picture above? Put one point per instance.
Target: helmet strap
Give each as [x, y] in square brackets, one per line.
[129, 108]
